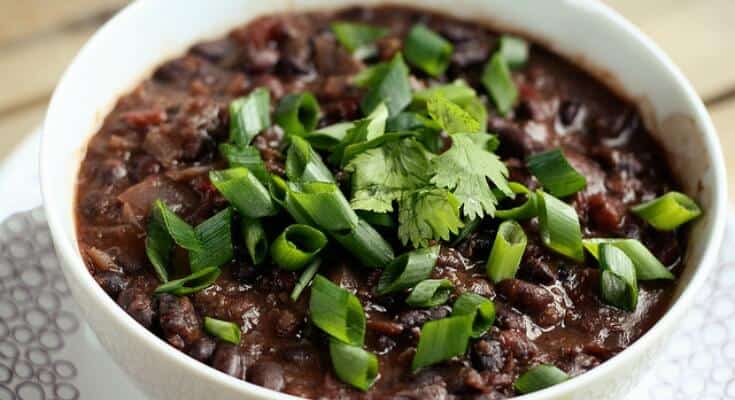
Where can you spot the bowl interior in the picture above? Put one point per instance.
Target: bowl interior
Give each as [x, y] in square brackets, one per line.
[149, 32]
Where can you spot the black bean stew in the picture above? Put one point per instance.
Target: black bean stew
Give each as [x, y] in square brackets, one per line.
[161, 142]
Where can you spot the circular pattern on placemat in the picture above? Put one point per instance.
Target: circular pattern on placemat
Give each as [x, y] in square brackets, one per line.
[36, 314]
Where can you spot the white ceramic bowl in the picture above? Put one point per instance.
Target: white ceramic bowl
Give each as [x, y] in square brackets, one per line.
[149, 32]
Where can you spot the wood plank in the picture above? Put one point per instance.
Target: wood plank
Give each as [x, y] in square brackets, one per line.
[21, 19]
[15, 127]
[696, 34]
[29, 73]
[724, 117]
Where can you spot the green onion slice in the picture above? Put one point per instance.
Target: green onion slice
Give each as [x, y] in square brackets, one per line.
[244, 191]
[430, 293]
[193, 283]
[303, 164]
[245, 156]
[297, 113]
[370, 75]
[296, 246]
[539, 377]
[305, 279]
[249, 116]
[408, 270]
[256, 240]
[281, 194]
[358, 39]
[528, 209]
[326, 205]
[337, 312]
[388, 85]
[480, 308]
[497, 80]
[618, 283]
[514, 51]
[158, 246]
[181, 232]
[366, 244]
[215, 236]
[353, 365]
[364, 130]
[427, 50]
[441, 340]
[647, 266]
[329, 137]
[669, 211]
[373, 218]
[507, 252]
[451, 117]
[559, 224]
[555, 173]
[225, 330]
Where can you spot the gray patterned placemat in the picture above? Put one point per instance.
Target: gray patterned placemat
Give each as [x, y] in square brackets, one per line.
[46, 350]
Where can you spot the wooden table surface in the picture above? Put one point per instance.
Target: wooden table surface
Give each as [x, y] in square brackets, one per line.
[38, 38]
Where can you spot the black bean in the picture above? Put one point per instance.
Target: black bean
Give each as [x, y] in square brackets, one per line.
[267, 374]
[227, 359]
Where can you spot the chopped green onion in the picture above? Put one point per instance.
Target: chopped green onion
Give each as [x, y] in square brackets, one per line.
[430, 293]
[297, 113]
[181, 232]
[539, 377]
[480, 308]
[427, 50]
[255, 239]
[215, 236]
[303, 164]
[499, 85]
[370, 75]
[407, 270]
[528, 209]
[193, 283]
[559, 226]
[373, 218]
[353, 365]
[451, 117]
[514, 51]
[458, 92]
[296, 246]
[158, 246]
[305, 279]
[426, 128]
[618, 283]
[326, 205]
[366, 244]
[647, 266]
[353, 150]
[363, 130]
[507, 252]
[358, 38]
[225, 330]
[389, 85]
[281, 194]
[669, 211]
[244, 191]
[441, 340]
[249, 116]
[555, 173]
[469, 228]
[329, 137]
[245, 156]
[337, 312]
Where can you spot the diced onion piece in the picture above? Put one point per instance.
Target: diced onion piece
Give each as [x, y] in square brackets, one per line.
[559, 224]
[505, 256]
[669, 211]
[296, 246]
[337, 312]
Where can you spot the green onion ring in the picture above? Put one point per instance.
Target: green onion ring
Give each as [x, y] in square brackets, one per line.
[296, 246]
[430, 293]
[538, 378]
[507, 252]
[353, 365]
[669, 211]
[337, 312]
[297, 113]
[407, 270]
[225, 330]
[480, 308]
[559, 224]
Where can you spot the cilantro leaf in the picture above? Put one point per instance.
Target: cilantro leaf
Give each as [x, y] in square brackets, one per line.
[426, 214]
[450, 116]
[464, 169]
[362, 130]
[382, 175]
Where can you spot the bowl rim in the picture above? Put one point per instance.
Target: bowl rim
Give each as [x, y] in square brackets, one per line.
[74, 264]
